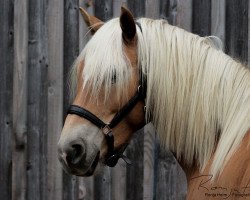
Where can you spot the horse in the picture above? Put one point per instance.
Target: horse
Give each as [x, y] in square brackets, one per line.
[198, 98]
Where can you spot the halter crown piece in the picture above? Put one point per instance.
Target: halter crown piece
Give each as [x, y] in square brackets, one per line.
[113, 154]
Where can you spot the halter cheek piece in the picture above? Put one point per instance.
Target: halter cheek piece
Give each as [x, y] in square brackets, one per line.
[113, 154]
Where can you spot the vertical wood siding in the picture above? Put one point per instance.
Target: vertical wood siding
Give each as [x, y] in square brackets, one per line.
[70, 53]
[237, 28]
[37, 101]
[6, 88]
[38, 44]
[19, 139]
[54, 15]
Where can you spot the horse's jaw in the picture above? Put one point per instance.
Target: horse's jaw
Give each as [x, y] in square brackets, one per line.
[86, 142]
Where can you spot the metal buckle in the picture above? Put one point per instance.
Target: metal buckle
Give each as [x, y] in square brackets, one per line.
[106, 130]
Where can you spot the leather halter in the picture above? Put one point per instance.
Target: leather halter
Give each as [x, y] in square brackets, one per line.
[113, 154]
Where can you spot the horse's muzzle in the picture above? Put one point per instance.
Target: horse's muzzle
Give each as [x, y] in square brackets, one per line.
[74, 158]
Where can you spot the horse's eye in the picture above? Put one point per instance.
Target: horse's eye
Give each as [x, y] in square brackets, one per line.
[113, 79]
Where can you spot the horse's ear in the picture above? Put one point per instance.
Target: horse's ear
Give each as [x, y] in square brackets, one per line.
[92, 22]
[127, 24]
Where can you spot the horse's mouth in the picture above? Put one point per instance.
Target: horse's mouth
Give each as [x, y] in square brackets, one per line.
[78, 169]
[92, 168]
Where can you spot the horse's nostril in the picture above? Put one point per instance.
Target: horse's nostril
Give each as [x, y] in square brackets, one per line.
[75, 154]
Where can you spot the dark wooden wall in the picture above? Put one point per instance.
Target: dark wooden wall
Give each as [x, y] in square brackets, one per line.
[39, 41]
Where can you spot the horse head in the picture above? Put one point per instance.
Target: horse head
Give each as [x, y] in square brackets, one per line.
[108, 106]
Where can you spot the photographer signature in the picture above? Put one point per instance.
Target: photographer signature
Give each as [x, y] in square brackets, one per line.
[221, 191]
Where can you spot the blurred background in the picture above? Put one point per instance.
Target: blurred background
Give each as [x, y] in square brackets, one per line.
[39, 40]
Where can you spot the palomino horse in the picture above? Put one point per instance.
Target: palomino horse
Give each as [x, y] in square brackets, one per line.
[198, 99]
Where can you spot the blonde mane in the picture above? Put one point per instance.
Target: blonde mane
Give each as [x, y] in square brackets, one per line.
[198, 98]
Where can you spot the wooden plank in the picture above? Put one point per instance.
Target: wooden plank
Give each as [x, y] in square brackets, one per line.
[71, 51]
[152, 8]
[86, 188]
[148, 162]
[20, 100]
[37, 102]
[6, 77]
[71, 43]
[170, 179]
[43, 59]
[55, 96]
[117, 7]
[118, 181]
[184, 14]
[103, 9]
[218, 20]
[134, 184]
[102, 184]
[201, 17]
[168, 10]
[237, 29]
[165, 180]
[181, 182]
[137, 7]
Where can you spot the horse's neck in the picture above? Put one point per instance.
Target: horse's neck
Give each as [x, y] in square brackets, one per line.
[235, 177]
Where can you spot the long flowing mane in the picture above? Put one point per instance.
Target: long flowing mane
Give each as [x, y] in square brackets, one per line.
[198, 98]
